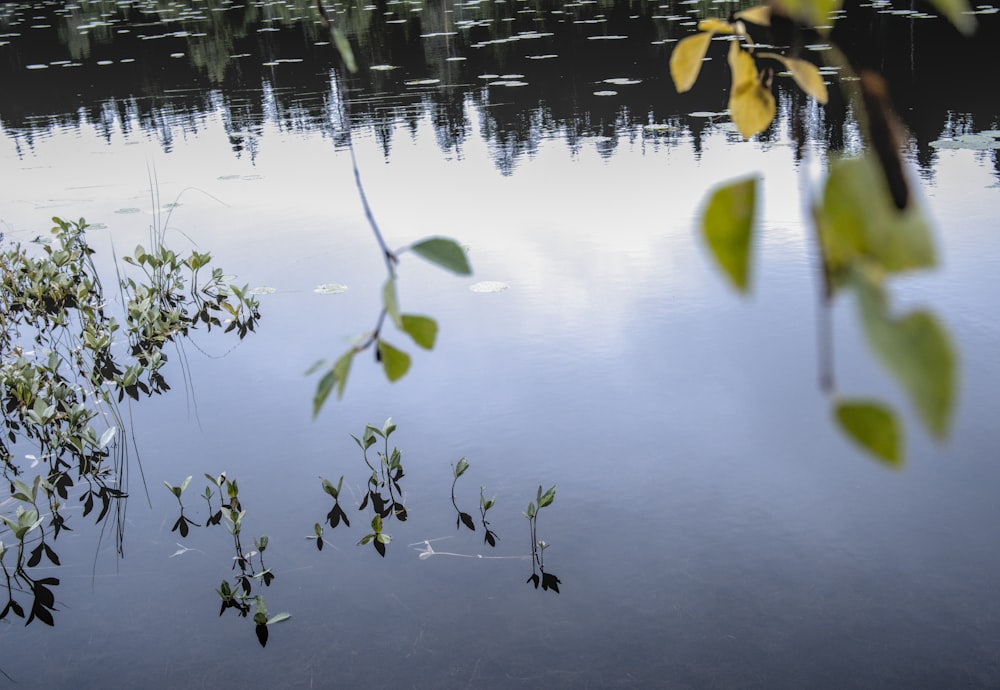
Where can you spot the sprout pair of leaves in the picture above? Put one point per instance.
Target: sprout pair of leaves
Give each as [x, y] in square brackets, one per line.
[751, 103]
[441, 251]
[377, 537]
[336, 514]
[865, 239]
[183, 523]
[262, 621]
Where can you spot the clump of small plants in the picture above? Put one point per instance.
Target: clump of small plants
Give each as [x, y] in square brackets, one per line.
[63, 373]
[239, 594]
[383, 493]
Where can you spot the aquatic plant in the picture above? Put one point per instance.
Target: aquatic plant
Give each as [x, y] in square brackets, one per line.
[867, 226]
[463, 518]
[489, 537]
[62, 377]
[238, 595]
[538, 574]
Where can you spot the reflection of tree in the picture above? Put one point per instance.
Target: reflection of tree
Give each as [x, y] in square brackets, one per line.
[253, 63]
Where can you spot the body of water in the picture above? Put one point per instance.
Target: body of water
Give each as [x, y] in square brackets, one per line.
[711, 526]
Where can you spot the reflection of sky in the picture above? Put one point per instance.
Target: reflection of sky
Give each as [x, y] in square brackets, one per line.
[708, 519]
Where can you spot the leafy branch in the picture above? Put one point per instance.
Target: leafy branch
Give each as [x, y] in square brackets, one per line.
[868, 228]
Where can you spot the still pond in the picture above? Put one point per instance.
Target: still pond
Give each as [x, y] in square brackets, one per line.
[711, 527]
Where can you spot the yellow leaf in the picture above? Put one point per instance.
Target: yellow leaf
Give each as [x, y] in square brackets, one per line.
[716, 26]
[760, 15]
[751, 104]
[685, 61]
[805, 74]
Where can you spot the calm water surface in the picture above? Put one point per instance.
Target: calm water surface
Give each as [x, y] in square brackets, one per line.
[711, 528]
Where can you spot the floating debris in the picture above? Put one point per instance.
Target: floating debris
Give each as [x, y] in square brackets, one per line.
[489, 286]
[988, 140]
[330, 289]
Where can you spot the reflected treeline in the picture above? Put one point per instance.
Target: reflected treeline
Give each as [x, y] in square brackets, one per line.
[511, 73]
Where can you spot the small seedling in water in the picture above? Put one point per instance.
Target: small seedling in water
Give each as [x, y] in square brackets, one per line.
[183, 522]
[457, 471]
[547, 580]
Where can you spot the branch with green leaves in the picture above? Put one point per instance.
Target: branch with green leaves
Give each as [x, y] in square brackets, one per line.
[441, 251]
[868, 227]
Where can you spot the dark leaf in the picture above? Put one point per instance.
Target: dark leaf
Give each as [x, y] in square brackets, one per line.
[550, 581]
[262, 634]
[490, 538]
[467, 521]
[36, 556]
[319, 543]
[534, 579]
[42, 614]
[88, 503]
[380, 547]
[400, 511]
[268, 577]
[183, 525]
[16, 608]
[50, 554]
[177, 525]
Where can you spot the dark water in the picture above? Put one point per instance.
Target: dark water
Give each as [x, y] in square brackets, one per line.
[711, 528]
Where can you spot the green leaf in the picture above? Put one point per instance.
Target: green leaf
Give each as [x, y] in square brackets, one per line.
[874, 427]
[727, 225]
[460, 468]
[344, 48]
[918, 352]
[858, 221]
[323, 389]
[329, 488]
[337, 375]
[547, 498]
[387, 428]
[444, 252]
[395, 362]
[278, 618]
[810, 12]
[377, 523]
[175, 490]
[422, 329]
[22, 491]
[958, 13]
[391, 302]
[686, 60]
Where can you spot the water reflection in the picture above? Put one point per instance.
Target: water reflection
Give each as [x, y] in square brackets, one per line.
[582, 71]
